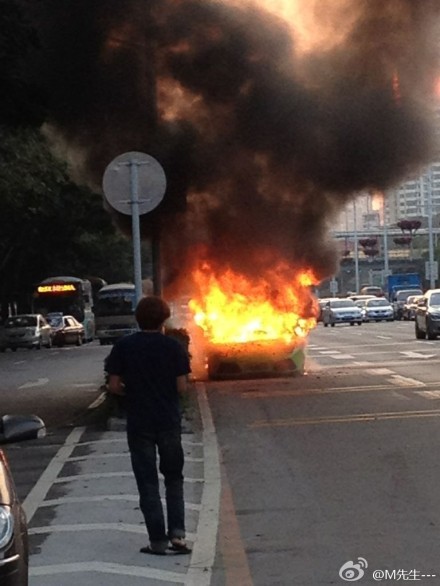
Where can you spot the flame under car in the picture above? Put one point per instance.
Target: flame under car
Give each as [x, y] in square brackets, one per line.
[255, 359]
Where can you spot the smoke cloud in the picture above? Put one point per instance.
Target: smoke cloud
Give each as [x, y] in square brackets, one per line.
[266, 119]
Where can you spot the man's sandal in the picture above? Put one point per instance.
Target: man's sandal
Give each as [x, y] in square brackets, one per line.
[153, 551]
[178, 545]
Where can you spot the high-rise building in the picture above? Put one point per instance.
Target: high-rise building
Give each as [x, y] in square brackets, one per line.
[417, 198]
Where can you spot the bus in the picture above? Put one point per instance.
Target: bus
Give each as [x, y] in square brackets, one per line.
[114, 312]
[69, 296]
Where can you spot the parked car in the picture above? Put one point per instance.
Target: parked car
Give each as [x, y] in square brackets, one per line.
[29, 330]
[377, 309]
[65, 329]
[14, 552]
[339, 311]
[410, 306]
[427, 315]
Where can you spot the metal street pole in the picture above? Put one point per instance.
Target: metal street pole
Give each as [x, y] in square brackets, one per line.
[386, 264]
[135, 227]
[356, 248]
[432, 273]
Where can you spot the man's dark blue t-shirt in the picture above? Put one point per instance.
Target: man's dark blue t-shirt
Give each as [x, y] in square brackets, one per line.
[149, 363]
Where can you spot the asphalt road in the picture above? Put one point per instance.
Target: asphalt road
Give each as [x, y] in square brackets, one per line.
[334, 466]
[59, 385]
[316, 471]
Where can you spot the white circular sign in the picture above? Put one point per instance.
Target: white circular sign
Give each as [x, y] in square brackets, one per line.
[134, 177]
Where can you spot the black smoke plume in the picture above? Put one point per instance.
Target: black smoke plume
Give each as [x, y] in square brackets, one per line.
[262, 143]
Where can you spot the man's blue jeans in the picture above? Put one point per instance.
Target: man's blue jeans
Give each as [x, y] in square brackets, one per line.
[142, 447]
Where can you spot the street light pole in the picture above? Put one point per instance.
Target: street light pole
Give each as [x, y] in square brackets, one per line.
[356, 248]
[432, 272]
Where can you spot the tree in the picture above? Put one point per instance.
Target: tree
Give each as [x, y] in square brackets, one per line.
[49, 225]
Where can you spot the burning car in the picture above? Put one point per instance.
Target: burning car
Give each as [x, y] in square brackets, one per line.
[251, 330]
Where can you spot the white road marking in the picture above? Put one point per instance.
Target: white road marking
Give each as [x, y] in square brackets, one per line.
[403, 381]
[417, 355]
[97, 401]
[117, 455]
[108, 568]
[81, 385]
[38, 493]
[380, 371]
[384, 337]
[429, 394]
[76, 527]
[38, 383]
[341, 356]
[92, 476]
[330, 352]
[104, 497]
[124, 441]
[203, 554]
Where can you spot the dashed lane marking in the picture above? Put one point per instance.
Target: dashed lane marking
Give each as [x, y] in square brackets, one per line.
[380, 371]
[429, 394]
[31, 384]
[404, 381]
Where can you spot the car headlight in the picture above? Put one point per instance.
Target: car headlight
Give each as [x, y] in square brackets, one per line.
[6, 526]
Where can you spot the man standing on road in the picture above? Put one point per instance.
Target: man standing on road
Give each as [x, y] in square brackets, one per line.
[150, 369]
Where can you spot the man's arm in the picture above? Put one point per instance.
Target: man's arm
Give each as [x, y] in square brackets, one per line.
[115, 385]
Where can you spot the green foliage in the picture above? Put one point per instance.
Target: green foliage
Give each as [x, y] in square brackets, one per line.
[49, 225]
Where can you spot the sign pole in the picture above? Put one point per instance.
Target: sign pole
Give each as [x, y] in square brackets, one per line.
[135, 228]
[127, 176]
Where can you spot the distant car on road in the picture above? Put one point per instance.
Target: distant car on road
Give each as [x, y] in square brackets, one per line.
[321, 303]
[427, 315]
[14, 551]
[339, 311]
[410, 306]
[65, 329]
[400, 299]
[372, 290]
[377, 309]
[362, 300]
[29, 330]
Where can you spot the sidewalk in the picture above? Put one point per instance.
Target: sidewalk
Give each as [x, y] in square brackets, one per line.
[85, 525]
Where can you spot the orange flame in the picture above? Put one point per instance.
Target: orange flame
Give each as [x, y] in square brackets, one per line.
[231, 308]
